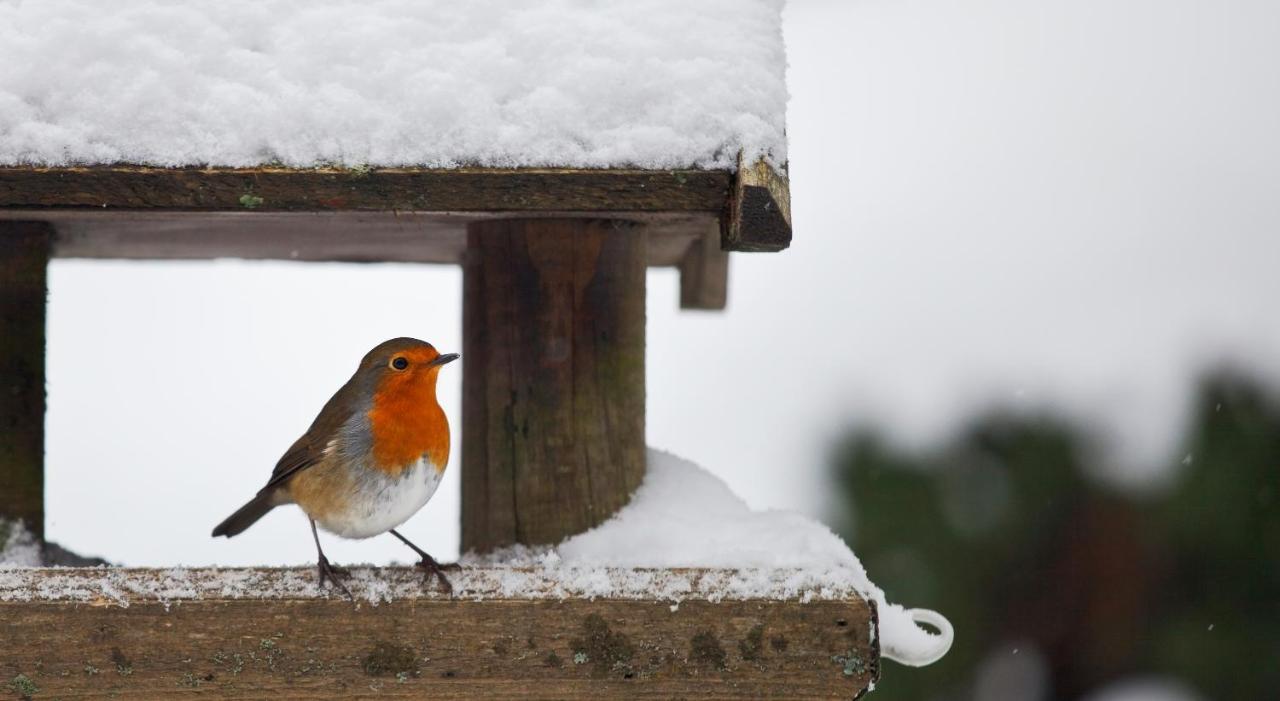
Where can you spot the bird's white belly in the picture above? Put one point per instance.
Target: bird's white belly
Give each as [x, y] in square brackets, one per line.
[381, 502]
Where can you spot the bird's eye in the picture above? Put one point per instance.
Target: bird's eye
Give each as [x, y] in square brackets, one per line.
[399, 363]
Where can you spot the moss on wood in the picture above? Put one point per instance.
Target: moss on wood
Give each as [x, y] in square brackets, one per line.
[705, 649]
[389, 659]
[604, 648]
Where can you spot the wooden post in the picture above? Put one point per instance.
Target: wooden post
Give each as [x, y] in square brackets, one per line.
[704, 273]
[24, 260]
[553, 380]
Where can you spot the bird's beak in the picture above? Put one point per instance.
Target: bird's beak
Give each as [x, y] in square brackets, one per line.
[443, 359]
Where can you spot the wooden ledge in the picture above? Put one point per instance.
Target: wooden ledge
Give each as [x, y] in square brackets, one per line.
[437, 201]
[268, 189]
[408, 215]
[258, 633]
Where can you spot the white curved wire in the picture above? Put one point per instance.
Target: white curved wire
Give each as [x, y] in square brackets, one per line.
[920, 658]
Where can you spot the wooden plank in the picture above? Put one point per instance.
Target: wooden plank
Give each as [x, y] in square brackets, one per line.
[758, 213]
[704, 273]
[24, 258]
[380, 189]
[346, 236]
[553, 386]
[167, 633]
[383, 214]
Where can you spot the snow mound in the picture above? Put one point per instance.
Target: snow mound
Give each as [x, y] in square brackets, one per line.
[436, 83]
[683, 516]
[18, 548]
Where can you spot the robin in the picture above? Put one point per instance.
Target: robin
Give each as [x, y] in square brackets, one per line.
[370, 460]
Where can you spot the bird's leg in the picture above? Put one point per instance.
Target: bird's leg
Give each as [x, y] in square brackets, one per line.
[329, 572]
[430, 565]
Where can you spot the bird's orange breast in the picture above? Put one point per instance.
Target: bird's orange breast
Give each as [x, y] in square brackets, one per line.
[407, 423]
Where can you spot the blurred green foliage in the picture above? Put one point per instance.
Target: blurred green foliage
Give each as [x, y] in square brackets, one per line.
[1008, 531]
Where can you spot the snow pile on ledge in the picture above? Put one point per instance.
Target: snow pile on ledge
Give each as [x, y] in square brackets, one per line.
[437, 83]
[377, 585]
[18, 548]
[683, 516]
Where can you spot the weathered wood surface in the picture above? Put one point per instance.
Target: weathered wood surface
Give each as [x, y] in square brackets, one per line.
[24, 257]
[553, 385]
[704, 274]
[339, 236]
[299, 646]
[268, 189]
[758, 214]
[148, 212]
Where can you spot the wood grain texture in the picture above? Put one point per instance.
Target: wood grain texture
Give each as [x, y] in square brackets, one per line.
[338, 235]
[553, 383]
[758, 214]
[97, 208]
[504, 633]
[403, 189]
[704, 273]
[24, 258]
[429, 646]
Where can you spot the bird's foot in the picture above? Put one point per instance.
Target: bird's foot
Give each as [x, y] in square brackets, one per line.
[435, 569]
[331, 573]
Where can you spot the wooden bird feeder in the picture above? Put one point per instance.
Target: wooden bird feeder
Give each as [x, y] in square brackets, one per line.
[555, 261]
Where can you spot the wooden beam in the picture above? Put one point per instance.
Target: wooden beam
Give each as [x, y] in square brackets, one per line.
[374, 189]
[24, 259]
[758, 213]
[377, 214]
[346, 236]
[261, 633]
[553, 380]
[704, 273]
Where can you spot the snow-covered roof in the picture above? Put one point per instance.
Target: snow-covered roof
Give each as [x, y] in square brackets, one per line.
[435, 83]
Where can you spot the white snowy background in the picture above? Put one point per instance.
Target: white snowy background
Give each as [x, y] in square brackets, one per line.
[1066, 204]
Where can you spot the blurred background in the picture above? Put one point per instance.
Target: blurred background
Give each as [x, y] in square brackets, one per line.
[1024, 354]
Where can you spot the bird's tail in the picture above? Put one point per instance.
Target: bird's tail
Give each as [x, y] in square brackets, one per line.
[246, 515]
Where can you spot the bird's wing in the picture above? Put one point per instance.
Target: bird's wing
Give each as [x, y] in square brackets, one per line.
[302, 454]
[312, 446]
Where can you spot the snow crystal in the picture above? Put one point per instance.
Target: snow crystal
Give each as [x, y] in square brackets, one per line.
[646, 83]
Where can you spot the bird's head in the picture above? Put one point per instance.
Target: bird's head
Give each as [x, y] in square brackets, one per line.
[404, 416]
[404, 366]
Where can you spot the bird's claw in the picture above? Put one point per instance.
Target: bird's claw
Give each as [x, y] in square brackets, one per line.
[331, 573]
[435, 569]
